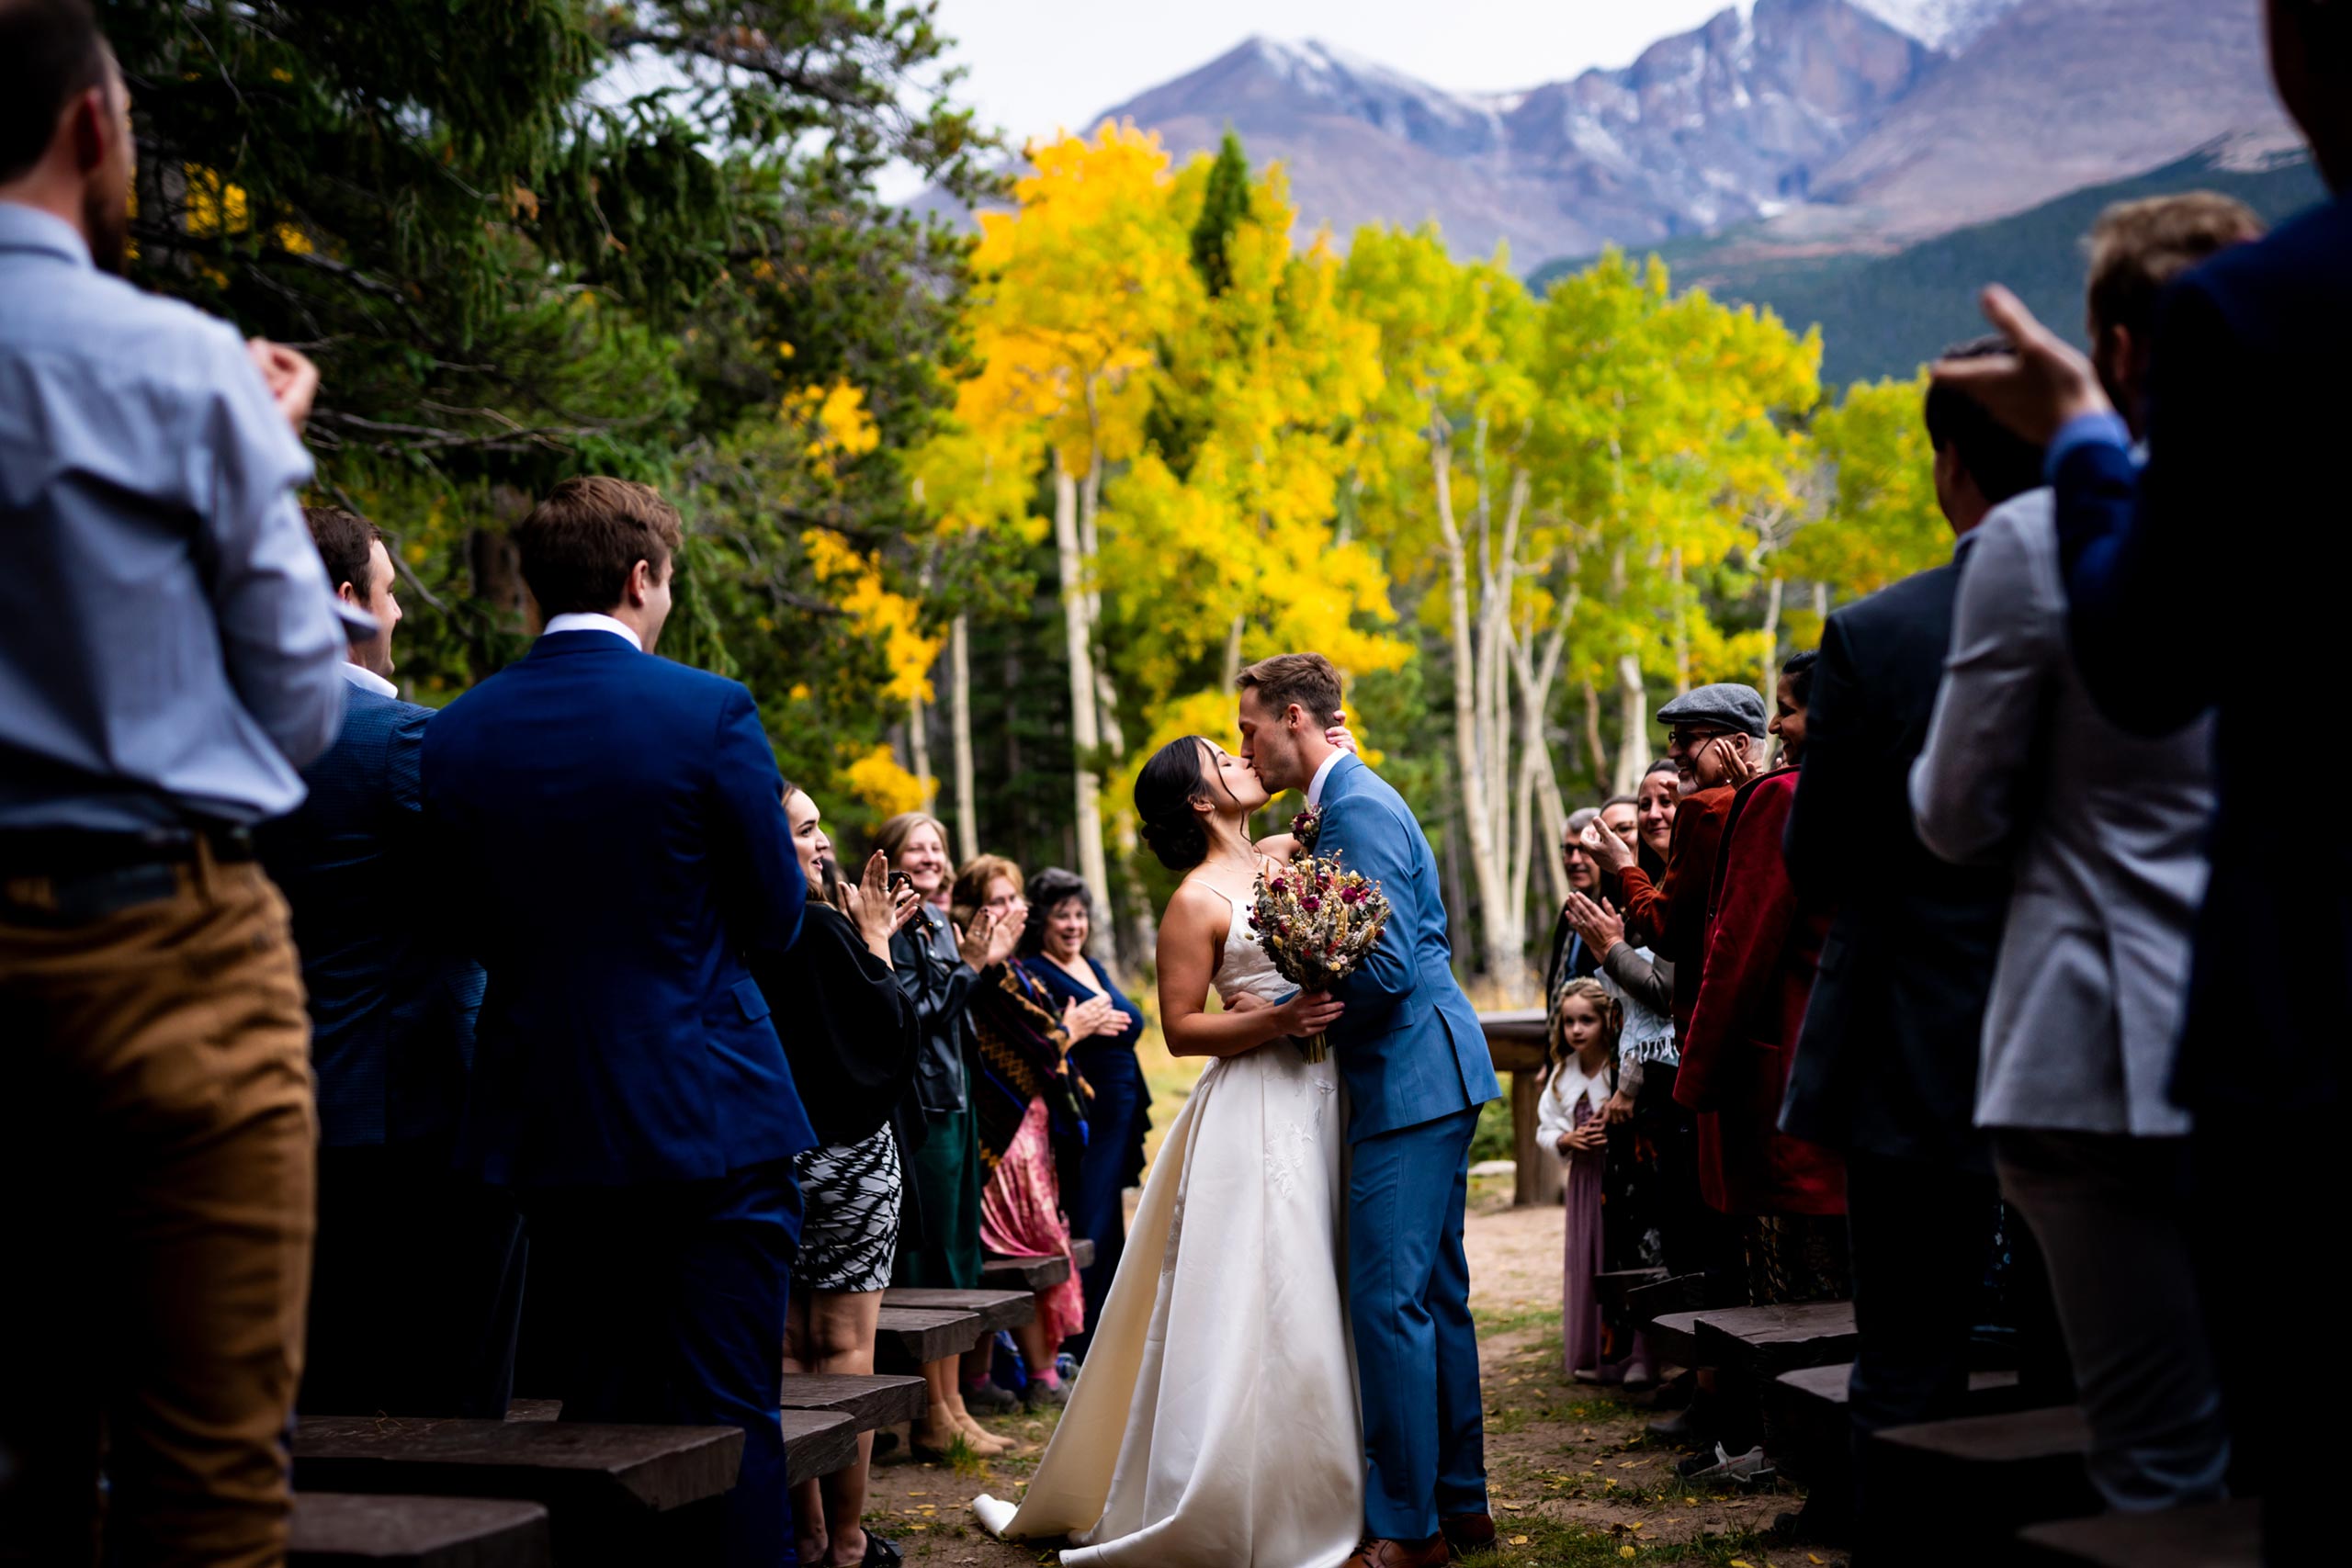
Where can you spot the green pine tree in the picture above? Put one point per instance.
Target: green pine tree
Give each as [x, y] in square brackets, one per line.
[1224, 207]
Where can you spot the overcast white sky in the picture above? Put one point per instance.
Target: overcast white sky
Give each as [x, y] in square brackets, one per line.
[1036, 66]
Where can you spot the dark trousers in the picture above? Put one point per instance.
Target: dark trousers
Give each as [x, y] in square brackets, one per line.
[665, 1303]
[416, 1289]
[1920, 1237]
[2260, 1208]
[1098, 1209]
[156, 1142]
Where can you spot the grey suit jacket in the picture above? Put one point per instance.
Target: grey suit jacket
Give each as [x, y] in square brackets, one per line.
[2105, 834]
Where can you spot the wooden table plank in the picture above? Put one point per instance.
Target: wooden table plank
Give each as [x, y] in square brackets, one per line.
[1031, 1274]
[657, 1468]
[818, 1442]
[996, 1309]
[908, 1337]
[872, 1401]
[332, 1530]
[2201, 1535]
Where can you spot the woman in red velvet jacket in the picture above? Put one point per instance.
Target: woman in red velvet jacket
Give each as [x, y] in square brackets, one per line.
[1761, 951]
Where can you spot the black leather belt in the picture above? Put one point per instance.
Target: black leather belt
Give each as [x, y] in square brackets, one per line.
[66, 854]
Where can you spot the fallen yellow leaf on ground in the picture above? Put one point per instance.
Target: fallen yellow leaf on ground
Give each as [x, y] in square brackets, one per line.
[1519, 1540]
[1624, 1551]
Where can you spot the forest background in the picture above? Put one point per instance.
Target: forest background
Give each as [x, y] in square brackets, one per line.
[983, 519]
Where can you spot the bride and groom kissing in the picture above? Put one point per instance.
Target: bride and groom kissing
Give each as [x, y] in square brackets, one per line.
[1284, 1374]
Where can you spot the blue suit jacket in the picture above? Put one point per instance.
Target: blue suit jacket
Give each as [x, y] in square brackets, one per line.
[1408, 1046]
[392, 1000]
[612, 834]
[2246, 468]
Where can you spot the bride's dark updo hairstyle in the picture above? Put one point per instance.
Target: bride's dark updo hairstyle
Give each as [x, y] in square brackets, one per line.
[1165, 791]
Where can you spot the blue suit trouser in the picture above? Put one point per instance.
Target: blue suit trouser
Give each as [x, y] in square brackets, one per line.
[1417, 1352]
[668, 1307]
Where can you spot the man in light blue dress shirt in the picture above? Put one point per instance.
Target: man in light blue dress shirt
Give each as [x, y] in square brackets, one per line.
[169, 655]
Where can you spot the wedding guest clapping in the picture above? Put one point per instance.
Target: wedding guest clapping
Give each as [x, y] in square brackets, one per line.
[1118, 1109]
[2106, 831]
[938, 967]
[1031, 1129]
[1763, 948]
[2246, 418]
[169, 659]
[853, 1054]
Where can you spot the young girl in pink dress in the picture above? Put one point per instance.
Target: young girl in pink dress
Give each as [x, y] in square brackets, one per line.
[1583, 1075]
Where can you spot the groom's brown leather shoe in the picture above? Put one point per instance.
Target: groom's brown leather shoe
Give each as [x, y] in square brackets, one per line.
[1378, 1553]
[1466, 1533]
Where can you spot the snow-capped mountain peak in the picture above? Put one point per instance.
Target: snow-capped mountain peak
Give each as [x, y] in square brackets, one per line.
[1947, 25]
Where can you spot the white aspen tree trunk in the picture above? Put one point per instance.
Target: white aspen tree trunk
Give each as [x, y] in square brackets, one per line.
[959, 729]
[1634, 718]
[1595, 752]
[1504, 964]
[919, 750]
[1772, 672]
[1086, 785]
[1535, 699]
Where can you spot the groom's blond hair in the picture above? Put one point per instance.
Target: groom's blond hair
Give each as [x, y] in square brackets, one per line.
[1307, 679]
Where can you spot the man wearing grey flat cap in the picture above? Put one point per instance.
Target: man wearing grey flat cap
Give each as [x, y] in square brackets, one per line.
[1716, 738]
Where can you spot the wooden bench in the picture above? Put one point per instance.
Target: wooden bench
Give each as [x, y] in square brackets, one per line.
[1029, 1274]
[1674, 1338]
[330, 1529]
[620, 1494]
[1081, 1251]
[910, 1338]
[2203, 1535]
[1676, 1296]
[870, 1403]
[1982, 1478]
[819, 1442]
[995, 1308]
[1808, 1407]
[1750, 1347]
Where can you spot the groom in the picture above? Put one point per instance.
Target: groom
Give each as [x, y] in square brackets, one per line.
[1417, 1071]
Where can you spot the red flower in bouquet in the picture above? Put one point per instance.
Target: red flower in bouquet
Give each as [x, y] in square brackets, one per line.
[1316, 921]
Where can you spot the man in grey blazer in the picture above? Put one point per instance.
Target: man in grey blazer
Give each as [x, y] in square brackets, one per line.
[2104, 833]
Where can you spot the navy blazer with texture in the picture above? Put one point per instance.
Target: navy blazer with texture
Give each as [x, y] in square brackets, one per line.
[391, 999]
[1409, 1046]
[2244, 472]
[611, 831]
[1886, 1061]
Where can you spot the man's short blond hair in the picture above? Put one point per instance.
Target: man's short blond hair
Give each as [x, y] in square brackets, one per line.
[2138, 247]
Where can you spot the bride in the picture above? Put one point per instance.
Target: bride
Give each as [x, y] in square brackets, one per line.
[1216, 1419]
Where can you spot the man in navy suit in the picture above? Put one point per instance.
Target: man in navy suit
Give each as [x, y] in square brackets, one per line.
[1416, 1068]
[416, 1286]
[2246, 418]
[1885, 1066]
[612, 830]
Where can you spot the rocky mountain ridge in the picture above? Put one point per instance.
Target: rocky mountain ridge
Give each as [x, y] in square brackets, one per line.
[1826, 123]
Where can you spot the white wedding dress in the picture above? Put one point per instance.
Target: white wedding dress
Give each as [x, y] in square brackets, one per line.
[1216, 1422]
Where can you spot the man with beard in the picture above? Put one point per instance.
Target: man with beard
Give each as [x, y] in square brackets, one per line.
[169, 659]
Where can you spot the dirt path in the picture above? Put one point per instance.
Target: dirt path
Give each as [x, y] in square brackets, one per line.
[1574, 1480]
